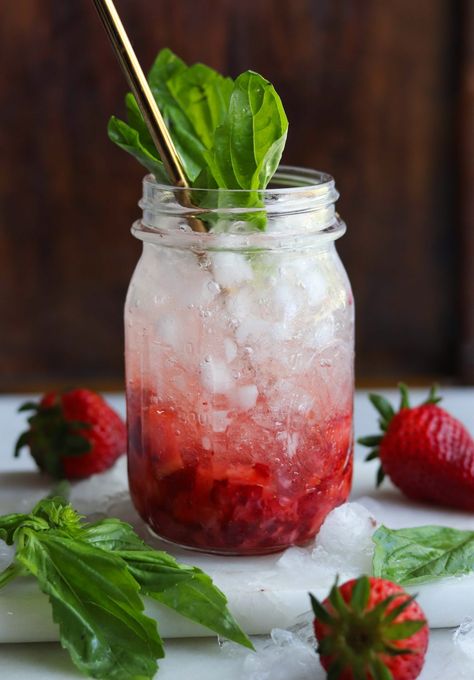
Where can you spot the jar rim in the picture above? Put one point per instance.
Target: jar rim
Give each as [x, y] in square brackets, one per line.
[304, 196]
[288, 179]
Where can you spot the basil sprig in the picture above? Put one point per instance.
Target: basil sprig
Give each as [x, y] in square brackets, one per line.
[95, 576]
[229, 134]
[422, 554]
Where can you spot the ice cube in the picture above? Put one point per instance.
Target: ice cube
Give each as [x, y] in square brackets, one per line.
[281, 637]
[193, 290]
[230, 350]
[287, 300]
[306, 274]
[219, 420]
[345, 540]
[169, 329]
[230, 269]
[463, 638]
[293, 559]
[181, 277]
[315, 285]
[285, 394]
[343, 547]
[252, 330]
[246, 316]
[321, 333]
[290, 442]
[285, 656]
[7, 553]
[215, 376]
[244, 398]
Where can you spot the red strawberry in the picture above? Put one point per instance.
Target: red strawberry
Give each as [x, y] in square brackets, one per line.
[74, 434]
[370, 629]
[426, 452]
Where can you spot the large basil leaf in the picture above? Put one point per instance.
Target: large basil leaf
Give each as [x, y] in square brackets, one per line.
[203, 95]
[422, 554]
[128, 139]
[112, 534]
[181, 587]
[187, 590]
[166, 78]
[96, 603]
[247, 147]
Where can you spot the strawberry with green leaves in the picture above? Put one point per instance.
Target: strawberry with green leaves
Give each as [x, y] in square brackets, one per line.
[424, 450]
[370, 629]
[73, 434]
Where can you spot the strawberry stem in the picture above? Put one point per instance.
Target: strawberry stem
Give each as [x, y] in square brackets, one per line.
[356, 638]
[405, 397]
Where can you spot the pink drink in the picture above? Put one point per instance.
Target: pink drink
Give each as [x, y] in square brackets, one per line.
[240, 378]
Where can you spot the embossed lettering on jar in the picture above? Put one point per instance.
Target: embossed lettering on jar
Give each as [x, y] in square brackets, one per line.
[239, 363]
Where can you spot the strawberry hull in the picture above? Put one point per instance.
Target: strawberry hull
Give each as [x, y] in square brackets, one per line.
[222, 501]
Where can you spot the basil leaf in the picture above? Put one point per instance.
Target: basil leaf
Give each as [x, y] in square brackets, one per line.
[10, 573]
[189, 145]
[112, 534]
[96, 603]
[200, 600]
[203, 95]
[248, 146]
[187, 590]
[181, 587]
[9, 524]
[422, 554]
[166, 66]
[156, 570]
[129, 140]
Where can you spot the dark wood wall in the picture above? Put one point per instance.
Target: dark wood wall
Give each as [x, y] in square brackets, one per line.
[379, 94]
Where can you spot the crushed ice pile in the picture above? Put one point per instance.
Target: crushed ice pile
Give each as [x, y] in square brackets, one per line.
[463, 653]
[343, 546]
[287, 654]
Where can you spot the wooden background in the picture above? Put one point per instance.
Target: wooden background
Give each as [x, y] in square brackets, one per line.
[379, 94]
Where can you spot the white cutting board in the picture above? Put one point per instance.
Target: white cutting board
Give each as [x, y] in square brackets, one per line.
[263, 592]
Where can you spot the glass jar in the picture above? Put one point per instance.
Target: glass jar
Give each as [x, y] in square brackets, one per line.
[239, 366]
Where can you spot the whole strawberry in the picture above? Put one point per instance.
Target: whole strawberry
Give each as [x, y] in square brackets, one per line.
[370, 629]
[73, 434]
[426, 452]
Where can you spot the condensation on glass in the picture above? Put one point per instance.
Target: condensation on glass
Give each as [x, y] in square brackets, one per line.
[239, 365]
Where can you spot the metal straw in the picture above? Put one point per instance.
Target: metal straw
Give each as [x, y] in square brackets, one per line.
[148, 106]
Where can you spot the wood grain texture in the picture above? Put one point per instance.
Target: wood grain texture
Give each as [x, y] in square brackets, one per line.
[370, 89]
[466, 178]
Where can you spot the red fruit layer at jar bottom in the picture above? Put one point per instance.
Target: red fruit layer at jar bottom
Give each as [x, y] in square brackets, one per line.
[200, 500]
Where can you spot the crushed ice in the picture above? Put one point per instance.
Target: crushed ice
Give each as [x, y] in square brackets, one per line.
[345, 540]
[288, 654]
[7, 553]
[343, 546]
[463, 638]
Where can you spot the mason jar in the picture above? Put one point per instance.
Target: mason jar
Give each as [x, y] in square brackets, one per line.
[239, 365]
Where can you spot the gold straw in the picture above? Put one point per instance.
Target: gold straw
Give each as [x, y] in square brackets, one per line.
[148, 106]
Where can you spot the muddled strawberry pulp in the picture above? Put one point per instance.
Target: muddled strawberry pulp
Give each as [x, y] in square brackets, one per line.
[250, 487]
